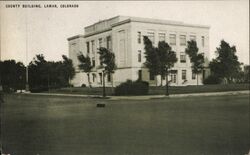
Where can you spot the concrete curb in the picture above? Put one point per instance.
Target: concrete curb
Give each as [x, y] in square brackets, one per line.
[147, 97]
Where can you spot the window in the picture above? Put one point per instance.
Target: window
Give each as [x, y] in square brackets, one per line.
[151, 76]
[193, 75]
[139, 37]
[204, 74]
[93, 61]
[182, 40]
[203, 41]
[161, 36]
[183, 74]
[173, 75]
[109, 43]
[93, 46]
[151, 36]
[87, 44]
[139, 75]
[100, 42]
[193, 37]
[172, 39]
[122, 48]
[183, 57]
[139, 56]
[173, 78]
[93, 76]
[109, 77]
[100, 75]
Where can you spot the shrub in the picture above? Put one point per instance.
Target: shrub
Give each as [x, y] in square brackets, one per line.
[83, 85]
[212, 79]
[7, 89]
[132, 88]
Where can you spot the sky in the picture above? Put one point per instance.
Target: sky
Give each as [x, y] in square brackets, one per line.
[45, 30]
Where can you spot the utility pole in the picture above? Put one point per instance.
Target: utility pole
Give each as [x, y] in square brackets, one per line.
[167, 93]
[27, 64]
[103, 76]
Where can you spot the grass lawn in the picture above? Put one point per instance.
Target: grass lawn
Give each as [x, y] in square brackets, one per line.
[215, 125]
[160, 90]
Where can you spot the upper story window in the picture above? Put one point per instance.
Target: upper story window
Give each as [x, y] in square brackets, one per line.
[183, 40]
[151, 36]
[100, 42]
[203, 41]
[183, 57]
[109, 43]
[172, 39]
[139, 37]
[193, 37]
[87, 44]
[139, 55]
[162, 36]
[93, 46]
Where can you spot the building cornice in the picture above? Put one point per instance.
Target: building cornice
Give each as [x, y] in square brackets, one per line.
[121, 22]
[97, 32]
[75, 37]
[162, 22]
[142, 20]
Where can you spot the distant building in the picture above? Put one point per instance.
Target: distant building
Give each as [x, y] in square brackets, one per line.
[124, 36]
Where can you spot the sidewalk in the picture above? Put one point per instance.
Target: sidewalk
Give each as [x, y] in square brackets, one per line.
[146, 97]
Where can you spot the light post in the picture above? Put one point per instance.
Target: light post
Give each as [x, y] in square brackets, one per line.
[167, 93]
[103, 86]
[103, 79]
[27, 64]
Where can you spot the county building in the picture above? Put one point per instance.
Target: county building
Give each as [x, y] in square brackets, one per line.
[124, 37]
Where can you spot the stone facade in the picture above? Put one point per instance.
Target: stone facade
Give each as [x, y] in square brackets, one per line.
[124, 36]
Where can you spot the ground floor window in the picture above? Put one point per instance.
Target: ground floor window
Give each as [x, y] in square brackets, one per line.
[151, 76]
[203, 74]
[139, 75]
[100, 75]
[93, 76]
[193, 75]
[183, 74]
[173, 78]
[109, 77]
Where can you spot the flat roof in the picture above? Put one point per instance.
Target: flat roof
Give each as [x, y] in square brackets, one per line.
[124, 19]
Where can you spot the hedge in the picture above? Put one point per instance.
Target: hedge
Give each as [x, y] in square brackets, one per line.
[132, 88]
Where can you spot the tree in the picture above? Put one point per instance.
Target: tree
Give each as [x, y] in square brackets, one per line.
[39, 73]
[68, 68]
[44, 75]
[85, 65]
[159, 60]
[12, 75]
[167, 59]
[152, 58]
[225, 65]
[107, 59]
[197, 59]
